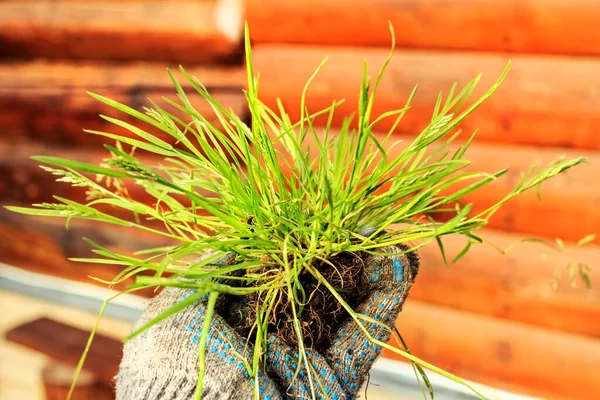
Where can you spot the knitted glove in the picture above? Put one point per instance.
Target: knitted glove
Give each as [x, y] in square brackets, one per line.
[162, 362]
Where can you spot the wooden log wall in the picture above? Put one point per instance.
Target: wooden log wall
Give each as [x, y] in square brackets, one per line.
[492, 318]
[507, 26]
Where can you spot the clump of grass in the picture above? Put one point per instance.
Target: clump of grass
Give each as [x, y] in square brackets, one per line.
[275, 203]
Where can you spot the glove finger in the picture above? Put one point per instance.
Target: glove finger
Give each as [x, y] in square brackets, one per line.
[390, 278]
[284, 366]
[162, 362]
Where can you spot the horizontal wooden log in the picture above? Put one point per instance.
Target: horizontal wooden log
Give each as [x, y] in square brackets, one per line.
[522, 26]
[569, 208]
[543, 101]
[517, 285]
[500, 353]
[185, 32]
[48, 101]
[43, 245]
[24, 182]
[565, 198]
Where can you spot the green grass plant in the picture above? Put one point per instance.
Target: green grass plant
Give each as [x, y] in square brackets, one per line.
[273, 201]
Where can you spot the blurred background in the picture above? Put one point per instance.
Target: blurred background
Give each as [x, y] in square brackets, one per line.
[514, 322]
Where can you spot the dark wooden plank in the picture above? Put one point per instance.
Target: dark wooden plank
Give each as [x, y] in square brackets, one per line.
[65, 343]
[50, 75]
[57, 379]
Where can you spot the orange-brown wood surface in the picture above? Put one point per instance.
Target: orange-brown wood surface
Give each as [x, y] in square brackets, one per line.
[505, 354]
[491, 318]
[55, 75]
[546, 101]
[569, 208]
[517, 285]
[187, 32]
[536, 26]
[48, 101]
[43, 245]
[25, 183]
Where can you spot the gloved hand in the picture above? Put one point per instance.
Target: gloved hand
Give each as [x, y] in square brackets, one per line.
[162, 362]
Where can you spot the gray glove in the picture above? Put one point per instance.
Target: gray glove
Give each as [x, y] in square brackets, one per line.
[162, 362]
